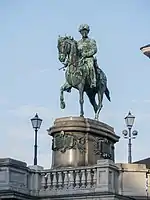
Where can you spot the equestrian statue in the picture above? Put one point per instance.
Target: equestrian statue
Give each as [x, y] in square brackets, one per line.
[81, 70]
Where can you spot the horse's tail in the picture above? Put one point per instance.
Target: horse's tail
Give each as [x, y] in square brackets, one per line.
[107, 93]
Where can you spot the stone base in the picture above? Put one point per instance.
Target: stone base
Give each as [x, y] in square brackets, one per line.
[79, 141]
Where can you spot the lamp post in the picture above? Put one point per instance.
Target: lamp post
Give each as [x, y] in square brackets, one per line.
[36, 124]
[129, 134]
[146, 50]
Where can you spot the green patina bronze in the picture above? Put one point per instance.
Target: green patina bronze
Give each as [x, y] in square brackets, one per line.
[102, 147]
[82, 71]
[64, 141]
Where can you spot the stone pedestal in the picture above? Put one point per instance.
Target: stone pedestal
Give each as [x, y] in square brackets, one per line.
[79, 141]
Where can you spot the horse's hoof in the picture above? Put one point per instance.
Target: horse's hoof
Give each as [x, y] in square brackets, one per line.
[96, 118]
[81, 115]
[69, 90]
[62, 105]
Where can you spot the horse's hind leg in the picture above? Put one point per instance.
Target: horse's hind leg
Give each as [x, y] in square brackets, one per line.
[100, 99]
[81, 99]
[91, 96]
[65, 87]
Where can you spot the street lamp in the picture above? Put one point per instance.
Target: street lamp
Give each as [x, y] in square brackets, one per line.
[129, 120]
[146, 50]
[36, 124]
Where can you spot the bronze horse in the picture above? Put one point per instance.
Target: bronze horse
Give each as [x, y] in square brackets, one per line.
[77, 76]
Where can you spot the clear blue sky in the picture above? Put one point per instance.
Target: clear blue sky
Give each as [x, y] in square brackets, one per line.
[30, 80]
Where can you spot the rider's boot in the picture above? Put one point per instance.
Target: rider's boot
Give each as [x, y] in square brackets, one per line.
[93, 79]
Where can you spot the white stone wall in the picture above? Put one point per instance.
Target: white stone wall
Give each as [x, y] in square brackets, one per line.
[13, 175]
[132, 179]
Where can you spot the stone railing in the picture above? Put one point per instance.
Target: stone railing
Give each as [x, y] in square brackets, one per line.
[69, 179]
[35, 181]
[102, 177]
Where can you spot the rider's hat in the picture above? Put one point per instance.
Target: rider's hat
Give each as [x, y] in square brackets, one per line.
[84, 27]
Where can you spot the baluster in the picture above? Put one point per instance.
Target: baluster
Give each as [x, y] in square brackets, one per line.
[48, 180]
[43, 182]
[83, 178]
[66, 181]
[60, 180]
[71, 179]
[88, 171]
[77, 179]
[54, 180]
[46, 176]
[94, 177]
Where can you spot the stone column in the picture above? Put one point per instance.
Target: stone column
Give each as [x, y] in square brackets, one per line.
[35, 178]
[107, 176]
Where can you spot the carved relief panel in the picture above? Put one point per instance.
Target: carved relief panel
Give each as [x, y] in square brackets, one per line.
[63, 141]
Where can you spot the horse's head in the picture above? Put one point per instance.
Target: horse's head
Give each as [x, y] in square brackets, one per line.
[64, 47]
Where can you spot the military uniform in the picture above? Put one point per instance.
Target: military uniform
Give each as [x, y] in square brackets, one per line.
[87, 49]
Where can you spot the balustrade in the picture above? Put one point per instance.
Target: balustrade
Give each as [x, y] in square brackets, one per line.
[69, 179]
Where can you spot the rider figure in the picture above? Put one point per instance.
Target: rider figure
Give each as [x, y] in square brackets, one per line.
[87, 49]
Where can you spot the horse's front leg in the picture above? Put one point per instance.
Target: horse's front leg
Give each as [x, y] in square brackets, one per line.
[81, 99]
[65, 87]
